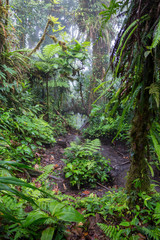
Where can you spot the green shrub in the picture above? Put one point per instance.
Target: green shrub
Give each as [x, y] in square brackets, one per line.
[124, 222]
[21, 135]
[103, 125]
[85, 164]
[27, 212]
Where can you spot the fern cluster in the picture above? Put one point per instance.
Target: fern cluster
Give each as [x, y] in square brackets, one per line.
[85, 164]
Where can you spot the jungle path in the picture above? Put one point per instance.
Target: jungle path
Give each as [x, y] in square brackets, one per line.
[119, 161]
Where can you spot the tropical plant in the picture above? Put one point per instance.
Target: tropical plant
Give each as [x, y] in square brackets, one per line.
[44, 208]
[85, 164]
[20, 136]
[136, 66]
[122, 221]
[103, 126]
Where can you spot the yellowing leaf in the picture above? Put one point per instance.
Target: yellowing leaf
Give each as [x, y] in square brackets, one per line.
[54, 20]
[59, 28]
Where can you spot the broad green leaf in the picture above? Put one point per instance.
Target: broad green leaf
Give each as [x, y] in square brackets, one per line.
[15, 181]
[59, 28]
[47, 234]
[70, 166]
[125, 224]
[55, 207]
[4, 187]
[35, 217]
[68, 174]
[7, 214]
[69, 214]
[15, 164]
[79, 55]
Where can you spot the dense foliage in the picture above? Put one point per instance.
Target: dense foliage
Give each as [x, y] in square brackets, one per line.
[46, 75]
[85, 165]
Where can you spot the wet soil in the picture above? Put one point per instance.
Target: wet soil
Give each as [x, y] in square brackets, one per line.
[118, 153]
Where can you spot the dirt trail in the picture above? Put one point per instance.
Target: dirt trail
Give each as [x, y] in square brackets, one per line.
[119, 160]
[117, 154]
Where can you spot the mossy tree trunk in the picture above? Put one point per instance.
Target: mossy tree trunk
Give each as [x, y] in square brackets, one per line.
[138, 177]
[3, 33]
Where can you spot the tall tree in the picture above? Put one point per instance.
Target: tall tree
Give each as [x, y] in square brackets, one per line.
[3, 24]
[135, 56]
[91, 26]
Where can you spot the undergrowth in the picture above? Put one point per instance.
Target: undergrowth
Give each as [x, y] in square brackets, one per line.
[121, 221]
[85, 164]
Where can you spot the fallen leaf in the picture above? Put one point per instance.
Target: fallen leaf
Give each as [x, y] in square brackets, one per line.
[64, 186]
[36, 166]
[142, 237]
[38, 184]
[56, 190]
[85, 234]
[51, 157]
[86, 192]
[37, 154]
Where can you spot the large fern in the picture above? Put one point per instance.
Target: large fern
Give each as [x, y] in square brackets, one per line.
[155, 138]
[51, 49]
[153, 233]
[156, 39]
[115, 233]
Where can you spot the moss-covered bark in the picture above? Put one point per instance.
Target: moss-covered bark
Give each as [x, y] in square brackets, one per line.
[140, 126]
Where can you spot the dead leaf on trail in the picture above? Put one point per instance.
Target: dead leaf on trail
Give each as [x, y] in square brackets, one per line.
[85, 193]
[142, 237]
[37, 154]
[85, 234]
[64, 186]
[56, 166]
[38, 184]
[81, 210]
[51, 157]
[33, 180]
[56, 190]
[36, 166]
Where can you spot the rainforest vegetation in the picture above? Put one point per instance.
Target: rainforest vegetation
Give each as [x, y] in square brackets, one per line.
[79, 119]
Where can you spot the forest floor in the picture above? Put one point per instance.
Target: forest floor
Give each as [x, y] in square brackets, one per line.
[119, 161]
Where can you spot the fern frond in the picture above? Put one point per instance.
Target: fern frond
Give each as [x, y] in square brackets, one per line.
[155, 143]
[92, 146]
[111, 231]
[156, 39]
[2, 75]
[154, 89]
[152, 233]
[47, 170]
[43, 66]
[9, 70]
[51, 49]
[58, 83]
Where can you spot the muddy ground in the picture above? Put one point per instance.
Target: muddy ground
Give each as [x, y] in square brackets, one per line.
[118, 153]
[119, 161]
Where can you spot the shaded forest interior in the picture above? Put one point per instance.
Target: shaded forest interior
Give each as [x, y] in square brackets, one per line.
[79, 120]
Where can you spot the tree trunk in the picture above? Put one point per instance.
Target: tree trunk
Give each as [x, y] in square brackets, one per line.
[3, 32]
[138, 177]
[47, 90]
